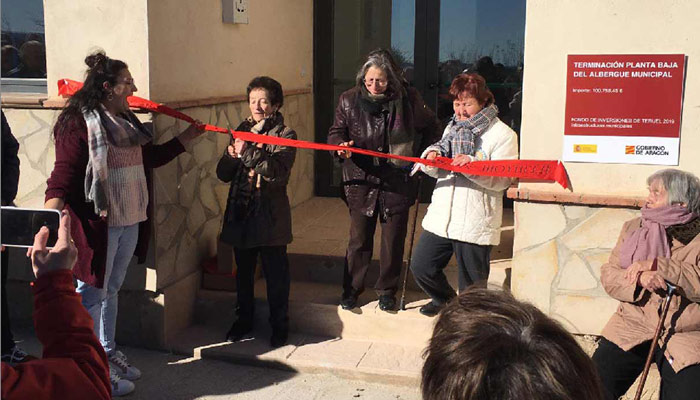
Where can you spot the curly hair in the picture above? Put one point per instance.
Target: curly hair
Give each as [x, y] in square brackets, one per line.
[471, 84]
[101, 69]
[271, 86]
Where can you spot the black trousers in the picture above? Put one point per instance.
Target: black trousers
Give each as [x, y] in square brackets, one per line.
[276, 270]
[359, 254]
[8, 341]
[619, 369]
[430, 257]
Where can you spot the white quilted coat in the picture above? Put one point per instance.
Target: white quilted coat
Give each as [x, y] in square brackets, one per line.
[469, 208]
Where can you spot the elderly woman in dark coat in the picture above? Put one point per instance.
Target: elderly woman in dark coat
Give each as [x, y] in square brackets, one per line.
[384, 114]
[258, 220]
[661, 246]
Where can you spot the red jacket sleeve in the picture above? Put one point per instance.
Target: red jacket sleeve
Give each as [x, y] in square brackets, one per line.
[74, 365]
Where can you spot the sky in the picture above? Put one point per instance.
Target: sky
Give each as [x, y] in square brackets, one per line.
[469, 27]
[21, 15]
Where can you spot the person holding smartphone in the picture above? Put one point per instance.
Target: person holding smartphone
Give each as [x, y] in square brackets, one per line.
[99, 177]
[74, 365]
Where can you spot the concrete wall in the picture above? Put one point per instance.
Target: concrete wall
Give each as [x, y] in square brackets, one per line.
[76, 28]
[555, 29]
[559, 249]
[194, 55]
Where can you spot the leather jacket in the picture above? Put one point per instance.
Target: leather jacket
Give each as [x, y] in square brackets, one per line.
[369, 183]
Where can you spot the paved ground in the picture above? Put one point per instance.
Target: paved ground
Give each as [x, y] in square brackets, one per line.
[173, 377]
[167, 376]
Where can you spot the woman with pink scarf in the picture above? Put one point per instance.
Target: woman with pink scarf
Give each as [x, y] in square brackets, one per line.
[661, 246]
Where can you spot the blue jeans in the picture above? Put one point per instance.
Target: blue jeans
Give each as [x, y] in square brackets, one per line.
[102, 304]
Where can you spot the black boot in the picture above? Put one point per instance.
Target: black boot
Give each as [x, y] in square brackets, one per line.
[387, 302]
[349, 299]
[238, 330]
[431, 309]
[279, 338]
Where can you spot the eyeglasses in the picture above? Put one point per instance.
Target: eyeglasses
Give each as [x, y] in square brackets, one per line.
[380, 82]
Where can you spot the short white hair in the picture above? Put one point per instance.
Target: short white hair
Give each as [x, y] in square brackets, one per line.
[681, 186]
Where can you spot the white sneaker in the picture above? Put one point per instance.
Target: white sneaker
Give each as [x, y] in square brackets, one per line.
[16, 355]
[121, 366]
[120, 387]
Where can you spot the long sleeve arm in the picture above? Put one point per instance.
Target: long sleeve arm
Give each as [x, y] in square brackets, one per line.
[338, 132]
[71, 160]
[272, 166]
[506, 149]
[156, 155]
[74, 364]
[684, 274]
[612, 275]
[227, 166]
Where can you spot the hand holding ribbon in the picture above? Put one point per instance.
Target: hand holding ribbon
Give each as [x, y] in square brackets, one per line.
[546, 170]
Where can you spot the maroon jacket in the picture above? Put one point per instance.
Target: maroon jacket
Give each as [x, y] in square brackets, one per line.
[67, 182]
[74, 365]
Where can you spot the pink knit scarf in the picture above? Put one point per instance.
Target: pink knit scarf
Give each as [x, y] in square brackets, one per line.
[649, 240]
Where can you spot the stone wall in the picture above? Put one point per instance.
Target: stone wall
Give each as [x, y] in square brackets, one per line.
[557, 254]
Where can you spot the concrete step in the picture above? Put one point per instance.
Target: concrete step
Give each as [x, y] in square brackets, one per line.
[314, 310]
[354, 359]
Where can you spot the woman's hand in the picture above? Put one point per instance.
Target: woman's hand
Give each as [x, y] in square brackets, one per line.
[345, 153]
[632, 272]
[238, 146]
[651, 281]
[461, 159]
[62, 256]
[431, 155]
[192, 131]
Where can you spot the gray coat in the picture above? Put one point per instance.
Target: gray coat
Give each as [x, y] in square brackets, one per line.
[261, 216]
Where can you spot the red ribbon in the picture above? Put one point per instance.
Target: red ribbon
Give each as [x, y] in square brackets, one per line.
[544, 170]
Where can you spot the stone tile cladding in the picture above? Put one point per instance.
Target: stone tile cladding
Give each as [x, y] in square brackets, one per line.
[557, 254]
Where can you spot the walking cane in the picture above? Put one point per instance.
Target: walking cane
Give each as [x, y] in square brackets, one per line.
[670, 289]
[402, 303]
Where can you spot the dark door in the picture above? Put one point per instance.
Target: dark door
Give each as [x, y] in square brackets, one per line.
[432, 40]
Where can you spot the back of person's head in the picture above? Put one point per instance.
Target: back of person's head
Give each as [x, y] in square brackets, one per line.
[101, 70]
[488, 345]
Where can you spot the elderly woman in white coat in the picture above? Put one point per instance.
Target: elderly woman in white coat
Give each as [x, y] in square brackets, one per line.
[465, 214]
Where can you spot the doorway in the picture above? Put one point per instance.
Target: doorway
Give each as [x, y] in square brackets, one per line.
[432, 41]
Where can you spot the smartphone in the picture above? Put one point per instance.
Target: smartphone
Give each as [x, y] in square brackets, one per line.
[20, 225]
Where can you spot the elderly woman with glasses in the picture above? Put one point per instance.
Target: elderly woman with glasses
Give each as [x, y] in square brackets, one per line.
[661, 246]
[384, 114]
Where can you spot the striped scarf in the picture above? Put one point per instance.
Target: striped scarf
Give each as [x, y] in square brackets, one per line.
[103, 127]
[462, 135]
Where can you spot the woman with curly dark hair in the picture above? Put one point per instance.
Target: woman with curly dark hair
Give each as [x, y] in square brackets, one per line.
[102, 151]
